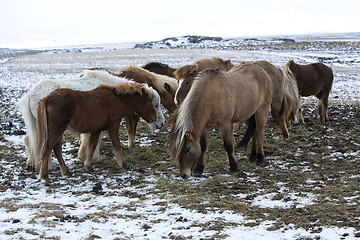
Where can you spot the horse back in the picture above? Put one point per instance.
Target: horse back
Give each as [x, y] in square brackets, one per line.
[313, 78]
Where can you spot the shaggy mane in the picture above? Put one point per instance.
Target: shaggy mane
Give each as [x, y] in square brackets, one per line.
[157, 80]
[103, 74]
[125, 88]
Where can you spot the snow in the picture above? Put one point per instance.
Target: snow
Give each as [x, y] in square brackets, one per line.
[36, 201]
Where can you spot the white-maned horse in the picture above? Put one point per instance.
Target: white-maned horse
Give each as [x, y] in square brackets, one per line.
[89, 80]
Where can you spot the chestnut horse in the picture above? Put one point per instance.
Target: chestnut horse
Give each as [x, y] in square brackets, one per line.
[313, 79]
[219, 99]
[91, 112]
[29, 102]
[164, 85]
[160, 68]
[186, 74]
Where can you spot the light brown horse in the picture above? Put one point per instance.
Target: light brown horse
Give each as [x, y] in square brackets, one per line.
[186, 74]
[164, 85]
[313, 79]
[285, 100]
[160, 68]
[91, 112]
[219, 99]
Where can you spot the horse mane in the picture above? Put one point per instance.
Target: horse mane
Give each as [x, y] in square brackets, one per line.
[201, 64]
[157, 80]
[182, 118]
[125, 88]
[155, 64]
[103, 74]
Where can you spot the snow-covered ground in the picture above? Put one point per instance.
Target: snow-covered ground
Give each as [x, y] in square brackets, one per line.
[31, 210]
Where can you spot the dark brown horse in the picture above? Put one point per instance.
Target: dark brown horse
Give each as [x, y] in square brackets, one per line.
[101, 109]
[313, 79]
[219, 99]
[186, 74]
[160, 68]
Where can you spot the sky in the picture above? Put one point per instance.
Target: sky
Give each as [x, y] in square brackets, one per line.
[46, 23]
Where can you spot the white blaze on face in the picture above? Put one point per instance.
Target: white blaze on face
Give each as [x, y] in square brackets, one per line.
[160, 120]
[177, 91]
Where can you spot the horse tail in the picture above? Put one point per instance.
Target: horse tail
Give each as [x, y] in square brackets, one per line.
[249, 133]
[281, 114]
[42, 127]
[30, 123]
[293, 92]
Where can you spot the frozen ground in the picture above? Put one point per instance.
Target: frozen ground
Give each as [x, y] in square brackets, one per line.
[295, 197]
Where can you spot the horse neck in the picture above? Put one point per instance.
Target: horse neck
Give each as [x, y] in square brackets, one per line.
[130, 101]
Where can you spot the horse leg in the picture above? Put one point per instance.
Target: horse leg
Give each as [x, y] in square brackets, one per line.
[284, 129]
[84, 143]
[58, 153]
[46, 155]
[96, 157]
[113, 132]
[252, 157]
[84, 146]
[228, 139]
[259, 135]
[131, 123]
[32, 159]
[93, 140]
[199, 168]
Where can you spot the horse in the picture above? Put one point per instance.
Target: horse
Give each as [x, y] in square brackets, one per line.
[160, 68]
[219, 99]
[105, 105]
[186, 74]
[29, 102]
[164, 85]
[313, 79]
[285, 101]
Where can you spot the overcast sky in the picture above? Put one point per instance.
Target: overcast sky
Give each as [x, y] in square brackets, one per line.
[42, 23]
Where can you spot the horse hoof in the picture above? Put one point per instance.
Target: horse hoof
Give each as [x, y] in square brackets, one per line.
[125, 165]
[89, 168]
[260, 163]
[252, 159]
[31, 168]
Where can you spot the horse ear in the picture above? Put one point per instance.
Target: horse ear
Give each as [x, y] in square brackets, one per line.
[167, 87]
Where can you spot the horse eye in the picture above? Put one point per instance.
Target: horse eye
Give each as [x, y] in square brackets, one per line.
[187, 83]
[187, 150]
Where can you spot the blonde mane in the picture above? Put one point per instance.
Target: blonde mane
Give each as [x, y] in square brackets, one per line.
[157, 80]
[104, 75]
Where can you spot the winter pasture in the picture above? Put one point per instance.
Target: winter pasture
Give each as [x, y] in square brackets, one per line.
[309, 188]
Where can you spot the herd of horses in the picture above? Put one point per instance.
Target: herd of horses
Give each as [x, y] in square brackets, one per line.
[211, 92]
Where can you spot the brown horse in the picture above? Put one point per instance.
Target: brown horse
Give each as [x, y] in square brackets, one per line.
[160, 68]
[164, 85]
[313, 79]
[186, 74]
[219, 99]
[92, 112]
